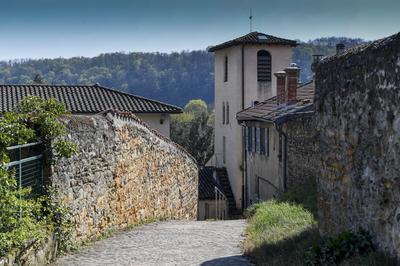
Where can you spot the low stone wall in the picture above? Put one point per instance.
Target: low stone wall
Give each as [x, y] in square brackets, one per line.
[124, 174]
[34, 253]
[302, 147]
[358, 115]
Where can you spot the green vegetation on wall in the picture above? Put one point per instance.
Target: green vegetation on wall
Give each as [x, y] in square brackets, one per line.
[24, 218]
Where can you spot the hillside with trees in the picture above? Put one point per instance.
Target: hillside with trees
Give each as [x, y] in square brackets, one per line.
[174, 78]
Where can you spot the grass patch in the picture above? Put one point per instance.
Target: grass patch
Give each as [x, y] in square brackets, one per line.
[280, 231]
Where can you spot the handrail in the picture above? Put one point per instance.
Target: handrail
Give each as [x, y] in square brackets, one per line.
[23, 145]
[268, 182]
[220, 198]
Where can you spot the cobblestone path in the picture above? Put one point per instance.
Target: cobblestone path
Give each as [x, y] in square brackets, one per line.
[168, 243]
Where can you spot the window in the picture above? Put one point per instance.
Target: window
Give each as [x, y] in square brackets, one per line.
[226, 69]
[254, 140]
[227, 112]
[263, 66]
[249, 139]
[257, 140]
[223, 113]
[224, 149]
[262, 140]
[266, 142]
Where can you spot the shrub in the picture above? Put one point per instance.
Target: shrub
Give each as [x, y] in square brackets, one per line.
[271, 222]
[22, 217]
[333, 250]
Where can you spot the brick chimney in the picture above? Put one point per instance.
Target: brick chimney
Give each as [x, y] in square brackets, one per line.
[292, 78]
[280, 87]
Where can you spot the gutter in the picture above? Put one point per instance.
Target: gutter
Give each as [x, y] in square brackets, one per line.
[244, 154]
[284, 150]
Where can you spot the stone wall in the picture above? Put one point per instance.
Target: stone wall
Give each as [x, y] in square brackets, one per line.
[358, 115]
[124, 174]
[302, 150]
[33, 253]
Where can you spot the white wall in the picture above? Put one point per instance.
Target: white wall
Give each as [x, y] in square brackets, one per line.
[231, 91]
[154, 121]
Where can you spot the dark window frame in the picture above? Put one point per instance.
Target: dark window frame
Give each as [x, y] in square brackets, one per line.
[227, 113]
[223, 113]
[249, 139]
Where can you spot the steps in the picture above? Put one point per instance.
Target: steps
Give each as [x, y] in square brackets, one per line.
[223, 180]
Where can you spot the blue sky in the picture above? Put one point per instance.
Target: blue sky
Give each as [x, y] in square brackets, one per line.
[66, 28]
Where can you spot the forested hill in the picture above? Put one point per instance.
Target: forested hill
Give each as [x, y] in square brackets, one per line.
[174, 78]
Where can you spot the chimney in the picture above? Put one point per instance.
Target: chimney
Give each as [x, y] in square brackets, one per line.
[316, 59]
[292, 77]
[340, 48]
[280, 87]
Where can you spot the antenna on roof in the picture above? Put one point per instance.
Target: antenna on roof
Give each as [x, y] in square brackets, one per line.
[251, 20]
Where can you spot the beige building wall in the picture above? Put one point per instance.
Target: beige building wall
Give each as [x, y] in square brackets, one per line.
[230, 92]
[264, 172]
[159, 122]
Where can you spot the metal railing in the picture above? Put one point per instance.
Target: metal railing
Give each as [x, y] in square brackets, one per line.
[220, 205]
[27, 162]
[261, 180]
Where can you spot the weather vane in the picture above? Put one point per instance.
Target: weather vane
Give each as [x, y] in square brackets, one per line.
[251, 20]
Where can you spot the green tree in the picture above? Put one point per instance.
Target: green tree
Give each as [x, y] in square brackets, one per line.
[194, 130]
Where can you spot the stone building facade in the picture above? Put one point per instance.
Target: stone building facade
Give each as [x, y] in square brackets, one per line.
[280, 139]
[124, 174]
[302, 149]
[358, 116]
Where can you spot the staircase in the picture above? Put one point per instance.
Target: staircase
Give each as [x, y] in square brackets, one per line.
[223, 180]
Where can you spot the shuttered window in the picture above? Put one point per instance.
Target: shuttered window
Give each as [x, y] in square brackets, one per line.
[249, 139]
[262, 140]
[263, 66]
[227, 112]
[257, 139]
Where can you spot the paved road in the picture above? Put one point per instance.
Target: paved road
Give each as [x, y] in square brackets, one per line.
[168, 243]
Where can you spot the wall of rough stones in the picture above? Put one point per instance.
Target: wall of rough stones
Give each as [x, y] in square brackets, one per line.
[302, 150]
[358, 115]
[124, 174]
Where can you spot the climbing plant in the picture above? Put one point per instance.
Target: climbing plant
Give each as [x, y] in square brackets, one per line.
[24, 218]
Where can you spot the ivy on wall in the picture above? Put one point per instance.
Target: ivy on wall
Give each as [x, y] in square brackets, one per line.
[24, 218]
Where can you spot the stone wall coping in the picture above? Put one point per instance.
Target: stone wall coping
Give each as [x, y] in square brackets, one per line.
[363, 48]
[133, 118]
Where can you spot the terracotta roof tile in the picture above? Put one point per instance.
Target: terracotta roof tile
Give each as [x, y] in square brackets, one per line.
[269, 111]
[83, 99]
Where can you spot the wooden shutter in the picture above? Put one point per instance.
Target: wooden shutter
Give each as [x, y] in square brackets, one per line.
[223, 113]
[262, 140]
[263, 66]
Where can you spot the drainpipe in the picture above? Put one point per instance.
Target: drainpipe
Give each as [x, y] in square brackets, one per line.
[284, 150]
[244, 160]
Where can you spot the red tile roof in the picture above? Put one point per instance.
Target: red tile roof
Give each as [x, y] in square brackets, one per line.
[270, 111]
